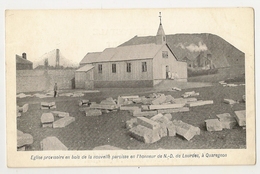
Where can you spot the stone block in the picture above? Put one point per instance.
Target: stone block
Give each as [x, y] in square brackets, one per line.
[52, 143]
[131, 123]
[148, 123]
[229, 101]
[25, 107]
[228, 123]
[169, 98]
[23, 139]
[47, 118]
[223, 116]
[159, 100]
[49, 107]
[171, 129]
[145, 134]
[63, 122]
[47, 104]
[83, 102]
[163, 132]
[241, 117]
[168, 116]
[60, 114]
[179, 101]
[108, 101]
[130, 97]
[213, 125]
[176, 89]
[156, 117]
[93, 112]
[47, 125]
[129, 108]
[107, 147]
[186, 130]
[101, 106]
[137, 100]
[144, 114]
[167, 106]
[84, 109]
[145, 107]
[200, 103]
[168, 111]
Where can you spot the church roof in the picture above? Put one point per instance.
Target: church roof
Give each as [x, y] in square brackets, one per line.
[21, 60]
[90, 57]
[85, 68]
[132, 52]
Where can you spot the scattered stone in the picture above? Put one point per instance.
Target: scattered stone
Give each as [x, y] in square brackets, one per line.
[156, 117]
[168, 111]
[60, 114]
[213, 125]
[176, 89]
[229, 101]
[100, 106]
[144, 114]
[241, 117]
[52, 143]
[22, 148]
[148, 123]
[23, 139]
[200, 103]
[171, 129]
[46, 105]
[63, 122]
[137, 100]
[232, 85]
[108, 101]
[145, 107]
[167, 106]
[169, 98]
[185, 130]
[84, 102]
[93, 112]
[47, 119]
[22, 95]
[25, 108]
[129, 108]
[159, 100]
[244, 98]
[107, 147]
[131, 123]
[227, 121]
[145, 134]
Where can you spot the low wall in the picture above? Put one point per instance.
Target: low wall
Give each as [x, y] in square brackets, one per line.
[39, 80]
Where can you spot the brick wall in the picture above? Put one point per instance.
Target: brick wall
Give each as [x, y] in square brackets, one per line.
[39, 80]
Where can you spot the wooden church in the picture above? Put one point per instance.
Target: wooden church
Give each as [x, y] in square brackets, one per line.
[131, 66]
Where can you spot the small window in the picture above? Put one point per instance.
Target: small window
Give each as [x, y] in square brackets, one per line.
[100, 68]
[128, 67]
[144, 67]
[165, 54]
[113, 68]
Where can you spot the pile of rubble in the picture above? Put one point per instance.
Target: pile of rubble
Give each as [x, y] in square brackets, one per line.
[224, 84]
[226, 121]
[20, 110]
[47, 119]
[159, 126]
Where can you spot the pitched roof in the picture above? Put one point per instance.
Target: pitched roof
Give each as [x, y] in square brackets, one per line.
[132, 52]
[90, 57]
[21, 60]
[85, 68]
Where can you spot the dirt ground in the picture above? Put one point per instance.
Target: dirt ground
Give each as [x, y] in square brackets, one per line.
[88, 132]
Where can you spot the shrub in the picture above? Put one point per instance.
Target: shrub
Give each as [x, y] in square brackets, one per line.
[199, 72]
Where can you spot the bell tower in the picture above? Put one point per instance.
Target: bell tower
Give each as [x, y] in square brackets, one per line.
[160, 36]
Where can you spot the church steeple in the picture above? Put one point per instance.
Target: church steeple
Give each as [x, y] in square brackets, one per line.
[160, 36]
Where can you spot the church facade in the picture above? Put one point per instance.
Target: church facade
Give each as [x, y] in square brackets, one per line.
[142, 65]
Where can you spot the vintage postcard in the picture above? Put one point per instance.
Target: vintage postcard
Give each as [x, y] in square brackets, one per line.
[130, 87]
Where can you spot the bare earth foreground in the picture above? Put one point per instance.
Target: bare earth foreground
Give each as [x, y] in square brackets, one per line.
[88, 132]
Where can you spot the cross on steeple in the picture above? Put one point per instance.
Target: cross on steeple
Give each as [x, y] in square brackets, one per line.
[160, 18]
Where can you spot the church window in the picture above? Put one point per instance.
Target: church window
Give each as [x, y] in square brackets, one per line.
[144, 67]
[113, 68]
[128, 67]
[165, 54]
[100, 68]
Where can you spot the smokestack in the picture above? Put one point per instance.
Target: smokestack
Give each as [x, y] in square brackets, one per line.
[57, 57]
[24, 55]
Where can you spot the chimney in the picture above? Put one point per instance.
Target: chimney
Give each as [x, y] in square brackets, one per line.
[24, 55]
[57, 57]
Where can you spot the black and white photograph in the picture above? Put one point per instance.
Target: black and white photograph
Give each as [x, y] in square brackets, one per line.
[130, 86]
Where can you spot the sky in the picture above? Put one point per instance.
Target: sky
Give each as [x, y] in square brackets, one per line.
[77, 32]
